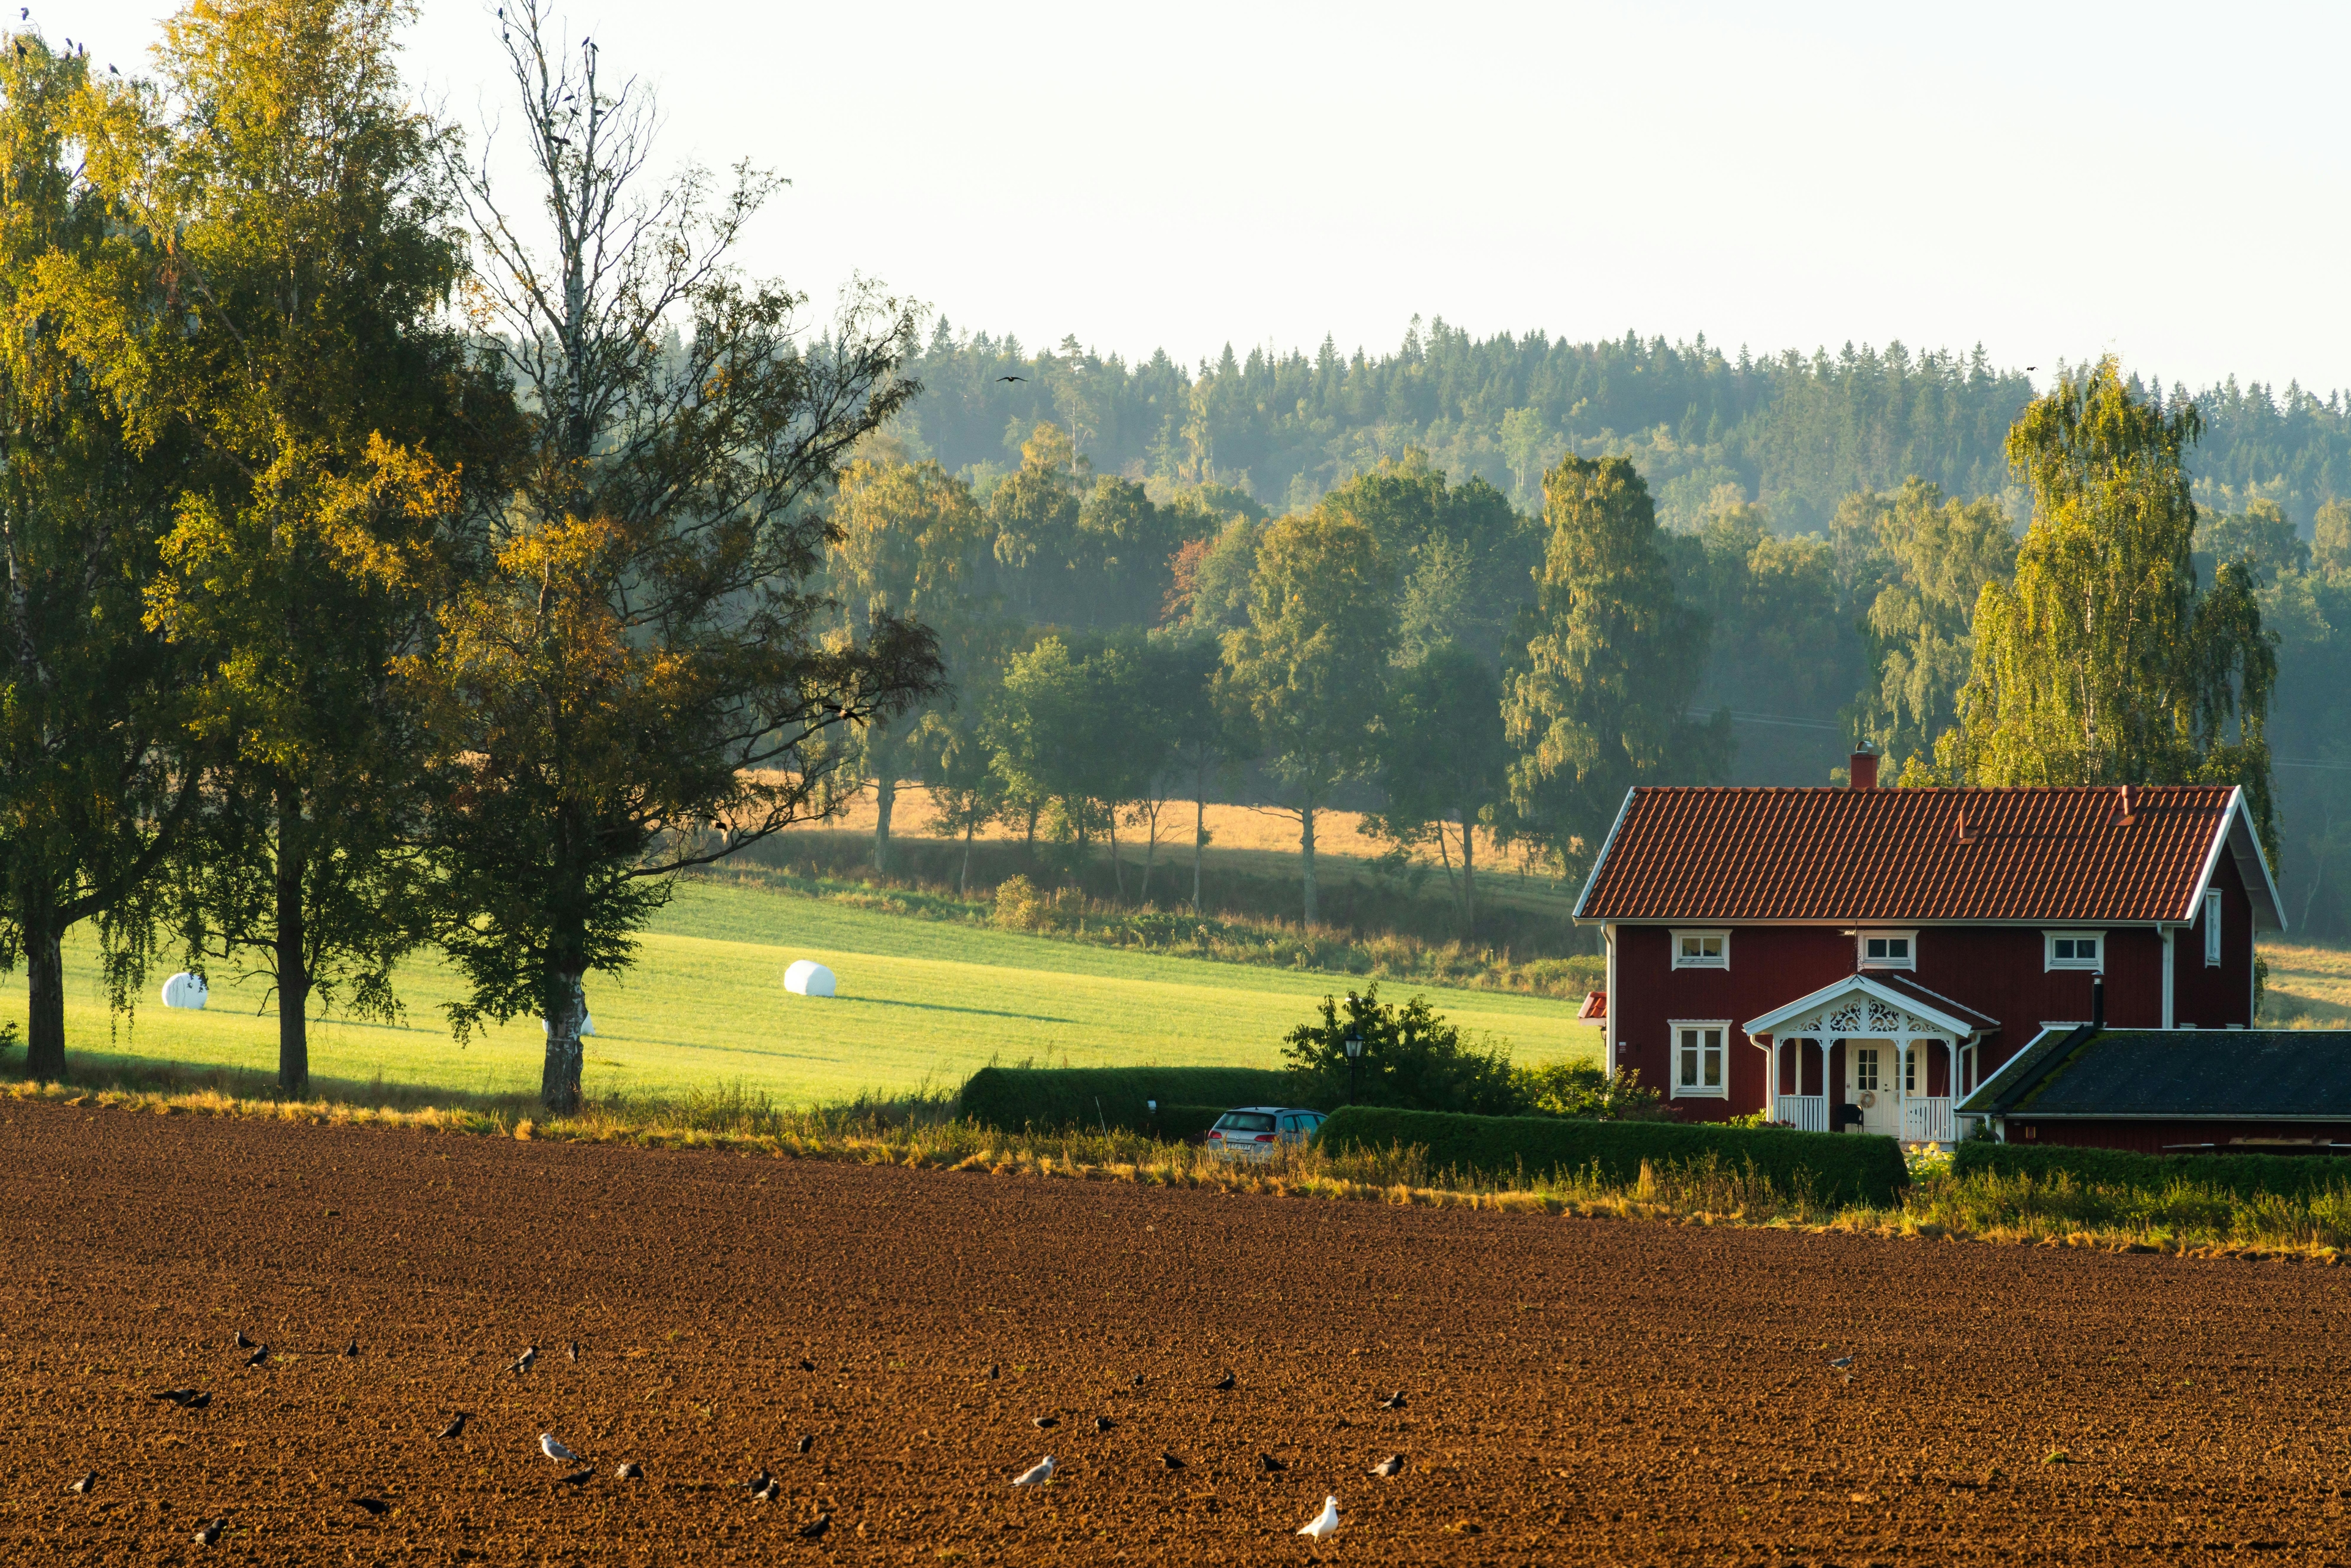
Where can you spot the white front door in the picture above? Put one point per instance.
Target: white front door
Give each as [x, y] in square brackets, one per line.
[1870, 1069]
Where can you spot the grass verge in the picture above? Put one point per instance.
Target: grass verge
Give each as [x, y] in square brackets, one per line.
[925, 1131]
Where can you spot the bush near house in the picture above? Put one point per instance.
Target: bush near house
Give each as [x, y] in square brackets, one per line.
[1047, 1099]
[1835, 1167]
[2237, 1175]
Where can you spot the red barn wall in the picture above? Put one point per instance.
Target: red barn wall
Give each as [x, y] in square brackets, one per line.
[2154, 1137]
[2213, 997]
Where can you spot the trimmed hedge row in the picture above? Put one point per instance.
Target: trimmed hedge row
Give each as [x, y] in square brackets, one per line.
[1837, 1167]
[2240, 1176]
[1049, 1099]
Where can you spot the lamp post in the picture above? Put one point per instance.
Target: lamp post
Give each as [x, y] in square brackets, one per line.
[1354, 1061]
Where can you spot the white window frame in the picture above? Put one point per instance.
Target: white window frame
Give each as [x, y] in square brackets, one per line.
[1884, 1070]
[1719, 961]
[1674, 1059]
[2050, 961]
[2212, 929]
[1862, 961]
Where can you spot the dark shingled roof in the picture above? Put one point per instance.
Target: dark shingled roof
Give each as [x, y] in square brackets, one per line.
[2040, 854]
[2176, 1075]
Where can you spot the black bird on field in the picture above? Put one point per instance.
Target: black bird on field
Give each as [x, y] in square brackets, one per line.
[814, 1529]
[804, 1445]
[352, 1348]
[1390, 1466]
[457, 1429]
[806, 1366]
[243, 1342]
[176, 1395]
[1104, 1423]
[374, 1505]
[1267, 1464]
[209, 1530]
[260, 1353]
[759, 1482]
[1393, 1402]
[993, 1370]
[1171, 1461]
[1046, 1423]
[631, 1471]
[83, 1486]
[1224, 1382]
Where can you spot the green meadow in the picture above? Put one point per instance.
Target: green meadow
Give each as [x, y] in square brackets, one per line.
[921, 1004]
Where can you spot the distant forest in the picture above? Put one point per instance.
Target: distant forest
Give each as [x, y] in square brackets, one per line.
[1831, 516]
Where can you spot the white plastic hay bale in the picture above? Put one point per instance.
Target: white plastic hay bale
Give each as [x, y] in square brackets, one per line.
[185, 990]
[807, 977]
[587, 1026]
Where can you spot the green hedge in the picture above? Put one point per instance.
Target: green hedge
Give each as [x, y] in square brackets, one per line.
[1838, 1167]
[2240, 1176]
[1049, 1099]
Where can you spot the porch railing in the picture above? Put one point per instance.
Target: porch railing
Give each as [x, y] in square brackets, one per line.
[1928, 1121]
[1809, 1112]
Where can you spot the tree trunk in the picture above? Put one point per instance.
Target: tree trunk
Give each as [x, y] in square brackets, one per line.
[567, 1009]
[885, 797]
[1150, 853]
[1117, 868]
[1200, 831]
[963, 877]
[45, 1026]
[293, 971]
[1306, 856]
[1469, 877]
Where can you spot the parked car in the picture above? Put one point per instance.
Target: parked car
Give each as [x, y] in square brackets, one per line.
[1254, 1132]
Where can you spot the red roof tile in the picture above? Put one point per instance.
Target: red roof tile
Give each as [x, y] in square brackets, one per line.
[2055, 854]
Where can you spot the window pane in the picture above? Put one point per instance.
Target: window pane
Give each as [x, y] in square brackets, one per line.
[1877, 946]
[1711, 947]
[1689, 947]
[1713, 1067]
[1897, 947]
[1690, 1069]
[2087, 947]
[2065, 947]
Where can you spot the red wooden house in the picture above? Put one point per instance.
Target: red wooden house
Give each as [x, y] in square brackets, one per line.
[1861, 958]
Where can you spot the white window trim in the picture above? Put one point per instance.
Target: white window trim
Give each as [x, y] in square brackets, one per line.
[2212, 929]
[1674, 1059]
[1862, 961]
[2051, 962]
[1682, 962]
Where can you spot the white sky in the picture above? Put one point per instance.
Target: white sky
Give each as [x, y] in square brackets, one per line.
[2053, 179]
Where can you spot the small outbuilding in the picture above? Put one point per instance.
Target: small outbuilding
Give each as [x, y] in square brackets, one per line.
[2172, 1092]
[807, 977]
[185, 990]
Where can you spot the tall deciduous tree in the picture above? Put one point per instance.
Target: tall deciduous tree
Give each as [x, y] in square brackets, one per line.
[93, 778]
[1445, 767]
[1943, 551]
[2105, 664]
[1599, 700]
[641, 682]
[309, 231]
[1311, 666]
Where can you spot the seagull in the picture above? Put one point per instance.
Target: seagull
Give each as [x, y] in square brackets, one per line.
[571, 1348]
[209, 1531]
[814, 1530]
[456, 1429]
[767, 1493]
[522, 1363]
[1323, 1525]
[555, 1450]
[1046, 1423]
[1224, 1382]
[1036, 1475]
[632, 1471]
[374, 1505]
[1012, 378]
[1390, 1466]
[83, 1485]
[807, 1442]
[1841, 1363]
[1393, 1402]
[260, 1354]
[243, 1342]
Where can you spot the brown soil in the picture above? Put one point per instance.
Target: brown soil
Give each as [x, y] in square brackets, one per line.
[1576, 1390]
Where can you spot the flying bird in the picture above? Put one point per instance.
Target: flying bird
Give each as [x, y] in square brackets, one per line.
[456, 1429]
[814, 1530]
[374, 1505]
[1012, 378]
[1036, 1475]
[555, 1450]
[1323, 1525]
[1393, 1402]
[632, 1471]
[209, 1531]
[1224, 1382]
[83, 1486]
[1391, 1467]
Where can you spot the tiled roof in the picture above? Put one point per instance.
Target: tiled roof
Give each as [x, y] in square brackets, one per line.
[2053, 854]
[2288, 1074]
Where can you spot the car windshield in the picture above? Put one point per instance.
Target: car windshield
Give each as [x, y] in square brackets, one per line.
[1244, 1122]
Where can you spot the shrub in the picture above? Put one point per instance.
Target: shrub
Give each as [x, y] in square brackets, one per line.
[1047, 1099]
[1412, 1057]
[1018, 906]
[1833, 1168]
[2240, 1176]
[1585, 1090]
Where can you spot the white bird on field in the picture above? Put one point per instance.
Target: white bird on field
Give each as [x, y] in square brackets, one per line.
[1323, 1525]
[1036, 1475]
[555, 1450]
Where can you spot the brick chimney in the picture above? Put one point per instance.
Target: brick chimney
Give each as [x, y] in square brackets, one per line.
[1864, 773]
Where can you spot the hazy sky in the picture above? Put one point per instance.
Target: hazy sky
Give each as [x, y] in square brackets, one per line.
[2052, 180]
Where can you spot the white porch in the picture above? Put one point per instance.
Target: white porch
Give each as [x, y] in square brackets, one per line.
[1921, 1043]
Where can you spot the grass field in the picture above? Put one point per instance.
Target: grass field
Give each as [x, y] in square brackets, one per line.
[2309, 988]
[921, 1003]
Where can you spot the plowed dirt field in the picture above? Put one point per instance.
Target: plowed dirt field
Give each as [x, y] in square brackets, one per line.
[1575, 1390]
